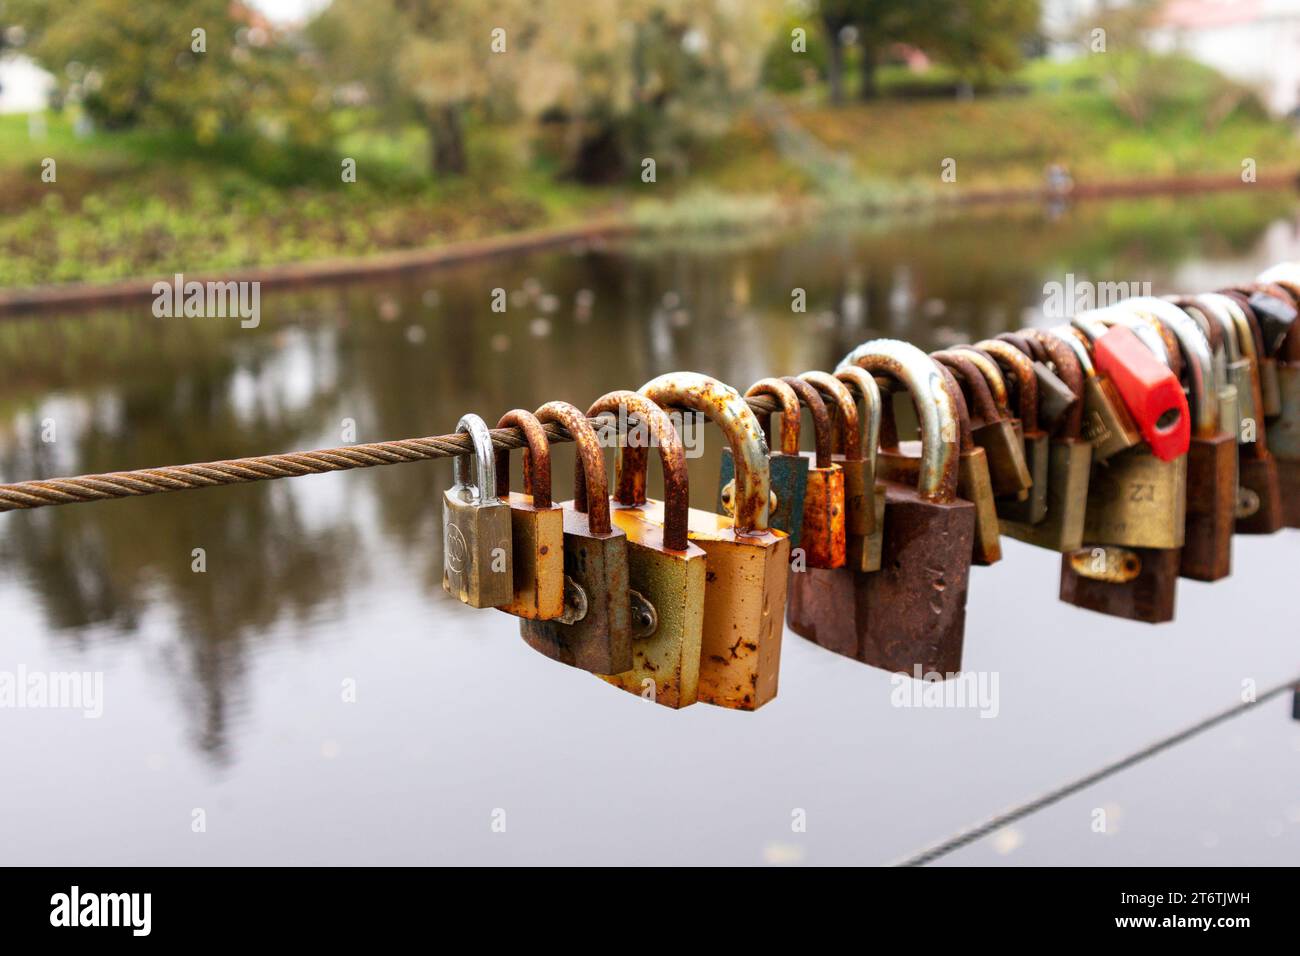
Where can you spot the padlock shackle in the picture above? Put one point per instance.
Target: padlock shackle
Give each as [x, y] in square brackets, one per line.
[1286, 275]
[1141, 326]
[1070, 371]
[1273, 330]
[1198, 369]
[1252, 339]
[846, 407]
[537, 458]
[812, 400]
[590, 486]
[976, 393]
[1079, 344]
[790, 415]
[1222, 308]
[869, 393]
[964, 433]
[1008, 356]
[935, 410]
[484, 458]
[633, 461]
[727, 409]
[1163, 315]
[1087, 323]
[1029, 346]
[993, 378]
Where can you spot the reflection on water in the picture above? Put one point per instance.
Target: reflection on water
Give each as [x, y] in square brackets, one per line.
[289, 560]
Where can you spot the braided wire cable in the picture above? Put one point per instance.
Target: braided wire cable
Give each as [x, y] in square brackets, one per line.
[40, 493]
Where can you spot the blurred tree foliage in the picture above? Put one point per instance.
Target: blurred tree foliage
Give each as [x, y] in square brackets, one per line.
[130, 63]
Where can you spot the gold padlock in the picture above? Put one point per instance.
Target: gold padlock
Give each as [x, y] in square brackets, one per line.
[744, 598]
[536, 525]
[823, 535]
[664, 567]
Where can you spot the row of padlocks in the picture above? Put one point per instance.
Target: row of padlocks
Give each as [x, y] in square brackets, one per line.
[1135, 442]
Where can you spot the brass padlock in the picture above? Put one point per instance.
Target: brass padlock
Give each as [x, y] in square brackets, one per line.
[1069, 464]
[910, 616]
[991, 427]
[1211, 460]
[823, 535]
[664, 567]
[862, 544]
[747, 561]
[788, 468]
[1028, 507]
[1259, 506]
[1107, 424]
[536, 525]
[476, 565]
[866, 556]
[595, 631]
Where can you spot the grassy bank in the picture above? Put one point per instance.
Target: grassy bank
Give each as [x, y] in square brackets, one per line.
[128, 205]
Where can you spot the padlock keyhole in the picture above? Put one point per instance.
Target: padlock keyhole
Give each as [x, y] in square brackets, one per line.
[1168, 421]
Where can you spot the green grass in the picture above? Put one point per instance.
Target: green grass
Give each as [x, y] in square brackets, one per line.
[138, 204]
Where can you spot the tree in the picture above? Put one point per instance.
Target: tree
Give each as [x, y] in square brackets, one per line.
[206, 67]
[428, 60]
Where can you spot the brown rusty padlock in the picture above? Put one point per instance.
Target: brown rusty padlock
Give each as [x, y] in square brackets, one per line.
[862, 544]
[747, 562]
[664, 568]
[1018, 372]
[823, 536]
[595, 631]
[991, 428]
[866, 556]
[536, 525]
[1069, 462]
[1259, 508]
[1211, 460]
[910, 616]
[1140, 584]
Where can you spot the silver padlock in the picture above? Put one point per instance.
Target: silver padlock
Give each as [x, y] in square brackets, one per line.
[476, 558]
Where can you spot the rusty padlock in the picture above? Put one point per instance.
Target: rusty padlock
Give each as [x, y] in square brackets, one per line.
[862, 544]
[1267, 307]
[1140, 584]
[595, 631]
[787, 467]
[823, 533]
[536, 525]
[476, 559]
[1211, 461]
[910, 616]
[992, 429]
[1069, 463]
[665, 569]
[747, 561]
[1055, 398]
[1284, 429]
[1208, 316]
[1028, 508]
[865, 556]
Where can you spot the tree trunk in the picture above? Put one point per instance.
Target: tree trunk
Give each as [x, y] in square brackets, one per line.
[447, 142]
[834, 61]
[868, 90]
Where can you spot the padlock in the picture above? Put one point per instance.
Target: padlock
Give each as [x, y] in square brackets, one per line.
[664, 568]
[788, 468]
[823, 534]
[476, 560]
[1211, 460]
[536, 525]
[595, 631]
[1259, 505]
[991, 428]
[1140, 584]
[1149, 387]
[901, 460]
[1056, 399]
[1284, 429]
[1069, 464]
[865, 556]
[1018, 369]
[1253, 303]
[1211, 318]
[910, 616]
[862, 544]
[747, 561]
[1107, 424]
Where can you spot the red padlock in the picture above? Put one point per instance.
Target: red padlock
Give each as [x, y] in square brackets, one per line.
[1149, 389]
